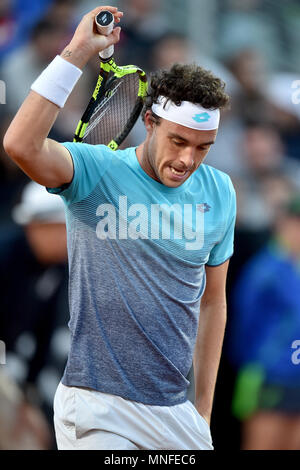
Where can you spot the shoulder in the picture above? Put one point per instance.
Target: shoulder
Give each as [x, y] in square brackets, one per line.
[98, 153]
[91, 164]
[218, 184]
[80, 148]
[218, 177]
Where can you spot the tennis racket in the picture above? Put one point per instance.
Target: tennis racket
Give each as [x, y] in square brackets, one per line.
[117, 100]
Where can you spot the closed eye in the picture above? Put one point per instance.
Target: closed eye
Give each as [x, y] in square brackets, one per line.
[178, 143]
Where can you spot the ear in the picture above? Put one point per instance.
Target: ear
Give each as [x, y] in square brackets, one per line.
[148, 121]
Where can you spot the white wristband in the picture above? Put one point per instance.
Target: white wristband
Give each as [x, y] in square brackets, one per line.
[57, 81]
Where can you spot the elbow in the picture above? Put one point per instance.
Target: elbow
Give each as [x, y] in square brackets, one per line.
[15, 149]
[8, 145]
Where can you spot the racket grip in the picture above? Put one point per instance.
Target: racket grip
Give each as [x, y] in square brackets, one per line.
[105, 24]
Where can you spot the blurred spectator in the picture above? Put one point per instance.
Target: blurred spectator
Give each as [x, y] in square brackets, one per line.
[284, 101]
[22, 426]
[17, 18]
[265, 95]
[267, 180]
[47, 40]
[289, 17]
[143, 23]
[8, 26]
[147, 18]
[265, 323]
[33, 305]
[12, 179]
[250, 70]
[63, 13]
[250, 24]
[169, 49]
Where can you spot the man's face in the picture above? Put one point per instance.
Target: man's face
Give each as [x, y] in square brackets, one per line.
[173, 152]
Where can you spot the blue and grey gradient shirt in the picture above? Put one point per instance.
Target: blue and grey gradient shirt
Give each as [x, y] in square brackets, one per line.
[137, 255]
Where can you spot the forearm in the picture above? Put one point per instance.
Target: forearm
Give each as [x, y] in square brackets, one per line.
[207, 354]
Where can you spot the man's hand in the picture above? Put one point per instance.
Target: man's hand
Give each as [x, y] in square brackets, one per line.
[87, 42]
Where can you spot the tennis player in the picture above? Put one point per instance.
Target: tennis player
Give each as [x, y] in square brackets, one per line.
[150, 233]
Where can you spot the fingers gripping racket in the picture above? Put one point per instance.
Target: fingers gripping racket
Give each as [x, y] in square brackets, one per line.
[117, 100]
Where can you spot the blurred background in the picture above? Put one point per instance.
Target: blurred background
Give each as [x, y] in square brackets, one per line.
[253, 46]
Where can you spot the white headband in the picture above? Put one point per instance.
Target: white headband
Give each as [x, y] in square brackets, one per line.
[187, 114]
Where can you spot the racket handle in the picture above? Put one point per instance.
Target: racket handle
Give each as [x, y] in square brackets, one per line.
[105, 24]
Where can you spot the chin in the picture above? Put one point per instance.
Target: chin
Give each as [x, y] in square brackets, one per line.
[173, 184]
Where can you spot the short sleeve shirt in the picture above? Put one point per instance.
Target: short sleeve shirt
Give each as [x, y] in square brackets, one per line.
[137, 254]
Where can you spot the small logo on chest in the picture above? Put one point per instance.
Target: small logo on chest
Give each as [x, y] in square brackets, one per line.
[203, 207]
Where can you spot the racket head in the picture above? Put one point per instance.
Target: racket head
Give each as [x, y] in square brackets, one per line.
[116, 107]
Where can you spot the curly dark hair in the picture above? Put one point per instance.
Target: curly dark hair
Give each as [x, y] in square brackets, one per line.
[186, 83]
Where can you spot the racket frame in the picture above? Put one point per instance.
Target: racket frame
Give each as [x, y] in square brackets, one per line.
[102, 87]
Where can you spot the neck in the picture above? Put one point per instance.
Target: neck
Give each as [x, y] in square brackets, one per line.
[139, 153]
[142, 153]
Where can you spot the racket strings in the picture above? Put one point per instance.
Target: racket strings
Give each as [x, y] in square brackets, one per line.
[113, 112]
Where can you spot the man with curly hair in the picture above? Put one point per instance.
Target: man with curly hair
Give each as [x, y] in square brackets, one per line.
[150, 233]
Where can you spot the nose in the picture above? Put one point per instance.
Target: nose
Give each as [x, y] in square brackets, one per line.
[187, 157]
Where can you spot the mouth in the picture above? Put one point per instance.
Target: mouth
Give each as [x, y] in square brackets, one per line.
[176, 174]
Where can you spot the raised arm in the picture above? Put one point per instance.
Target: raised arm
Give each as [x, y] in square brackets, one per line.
[26, 141]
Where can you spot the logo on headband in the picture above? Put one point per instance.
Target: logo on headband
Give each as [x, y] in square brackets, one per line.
[203, 117]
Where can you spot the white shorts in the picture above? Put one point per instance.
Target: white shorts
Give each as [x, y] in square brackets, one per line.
[85, 419]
